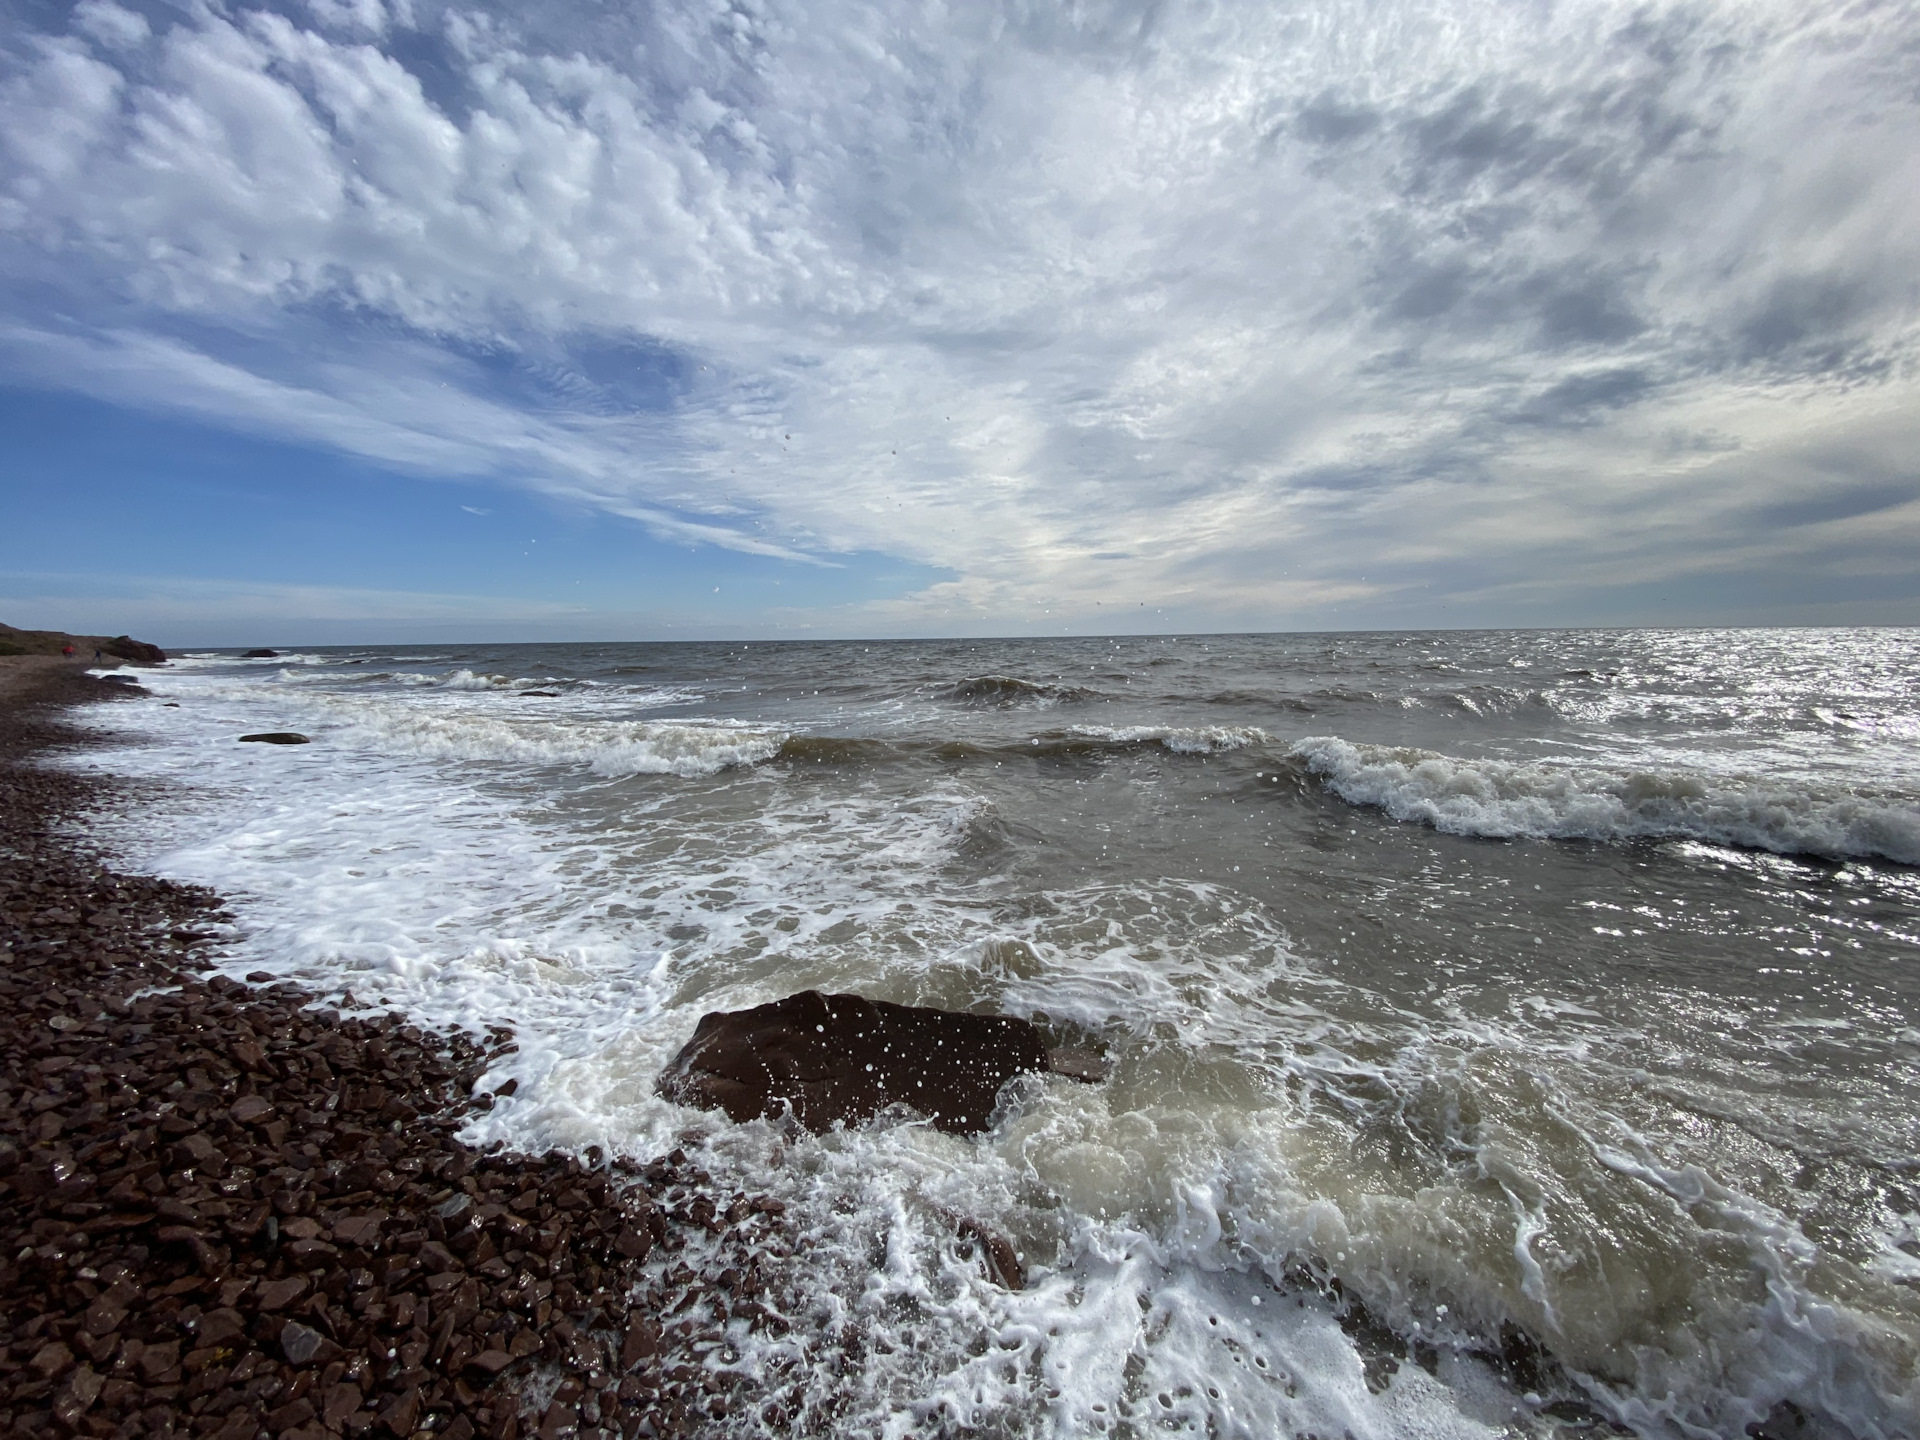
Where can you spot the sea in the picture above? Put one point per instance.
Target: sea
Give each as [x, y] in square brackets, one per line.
[1512, 1033]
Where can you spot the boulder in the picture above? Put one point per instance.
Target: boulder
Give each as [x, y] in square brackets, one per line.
[844, 1058]
[127, 648]
[261, 655]
[275, 737]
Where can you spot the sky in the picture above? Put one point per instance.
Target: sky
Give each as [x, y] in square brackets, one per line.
[342, 320]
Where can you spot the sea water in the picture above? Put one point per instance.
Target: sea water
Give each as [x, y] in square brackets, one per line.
[1513, 1033]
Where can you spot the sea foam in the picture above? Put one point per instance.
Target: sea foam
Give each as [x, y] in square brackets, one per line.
[1506, 799]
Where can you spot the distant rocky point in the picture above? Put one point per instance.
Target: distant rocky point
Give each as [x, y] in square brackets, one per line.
[53, 642]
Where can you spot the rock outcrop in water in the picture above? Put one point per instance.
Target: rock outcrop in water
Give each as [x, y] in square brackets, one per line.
[275, 737]
[829, 1058]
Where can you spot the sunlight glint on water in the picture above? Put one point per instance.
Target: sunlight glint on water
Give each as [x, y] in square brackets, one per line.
[1549, 997]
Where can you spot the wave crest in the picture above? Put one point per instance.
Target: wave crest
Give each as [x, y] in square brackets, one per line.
[1505, 800]
[1180, 739]
[1004, 692]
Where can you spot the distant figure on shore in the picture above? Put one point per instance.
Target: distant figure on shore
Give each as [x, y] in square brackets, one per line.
[67, 650]
[96, 654]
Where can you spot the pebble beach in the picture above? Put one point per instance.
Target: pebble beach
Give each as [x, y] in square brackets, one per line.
[226, 1211]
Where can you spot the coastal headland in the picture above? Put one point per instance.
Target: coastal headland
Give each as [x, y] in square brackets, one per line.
[229, 1210]
[15, 643]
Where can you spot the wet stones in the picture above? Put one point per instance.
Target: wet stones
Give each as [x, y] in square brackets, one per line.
[226, 1211]
[830, 1059]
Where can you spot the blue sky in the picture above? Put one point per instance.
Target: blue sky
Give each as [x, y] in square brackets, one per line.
[351, 319]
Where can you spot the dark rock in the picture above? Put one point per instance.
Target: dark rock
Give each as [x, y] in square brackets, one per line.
[295, 1412]
[339, 1402]
[359, 1231]
[252, 1110]
[261, 655]
[50, 1360]
[278, 1294]
[276, 737]
[844, 1058]
[401, 1414]
[303, 1345]
[642, 1341]
[1081, 1065]
[77, 1397]
[539, 694]
[487, 1364]
[125, 647]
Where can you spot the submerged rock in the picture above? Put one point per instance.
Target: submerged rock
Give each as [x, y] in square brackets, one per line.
[845, 1058]
[261, 655]
[275, 737]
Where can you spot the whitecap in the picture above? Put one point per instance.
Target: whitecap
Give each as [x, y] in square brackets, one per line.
[1506, 800]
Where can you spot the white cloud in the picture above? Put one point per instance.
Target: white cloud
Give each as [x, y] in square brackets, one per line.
[1293, 312]
[113, 26]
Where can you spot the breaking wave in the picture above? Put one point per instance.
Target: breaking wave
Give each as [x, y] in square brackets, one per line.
[605, 747]
[1501, 800]
[1180, 739]
[1005, 692]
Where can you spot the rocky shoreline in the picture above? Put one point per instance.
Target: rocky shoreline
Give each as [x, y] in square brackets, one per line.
[227, 1211]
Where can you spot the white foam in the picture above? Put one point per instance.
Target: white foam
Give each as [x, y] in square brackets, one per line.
[1261, 1111]
[606, 747]
[1505, 799]
[1182, 740]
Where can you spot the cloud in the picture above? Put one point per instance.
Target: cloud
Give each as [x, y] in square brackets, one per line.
[1272, 315]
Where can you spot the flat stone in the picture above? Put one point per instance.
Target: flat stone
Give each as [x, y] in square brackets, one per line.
[278, 1294]
[303, 1345]
[275, 737]
[358, 1231]
[488, 1363]
[252, 1110]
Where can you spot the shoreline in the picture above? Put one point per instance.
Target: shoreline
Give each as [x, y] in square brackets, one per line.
[227, 1212]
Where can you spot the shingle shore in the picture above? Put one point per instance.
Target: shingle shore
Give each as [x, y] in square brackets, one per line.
[225, 1213]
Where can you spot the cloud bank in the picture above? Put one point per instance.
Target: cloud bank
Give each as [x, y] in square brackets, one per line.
[1265, 315]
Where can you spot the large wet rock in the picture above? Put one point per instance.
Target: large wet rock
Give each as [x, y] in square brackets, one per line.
[846, 1058]
[125, 647]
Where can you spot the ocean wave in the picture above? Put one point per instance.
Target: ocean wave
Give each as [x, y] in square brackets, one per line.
[1180, 739]
[1004, 692]
[606, 747]
[1257, 697]
[1502, 800]
[834, 750]
[1082, 741]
